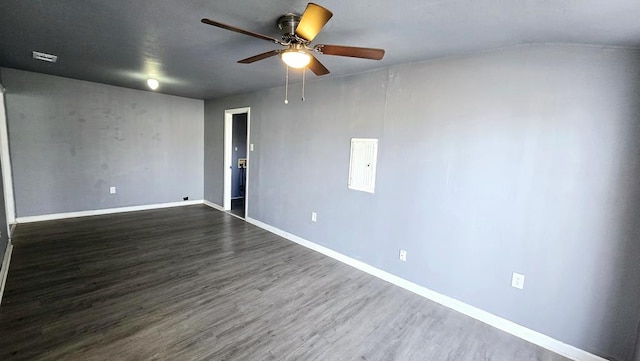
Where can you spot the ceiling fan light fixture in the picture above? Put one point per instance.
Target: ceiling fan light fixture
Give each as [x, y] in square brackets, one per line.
[153, 84]
[297, 59]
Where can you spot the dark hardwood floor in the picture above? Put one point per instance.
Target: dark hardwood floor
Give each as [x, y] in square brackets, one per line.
[193, 283]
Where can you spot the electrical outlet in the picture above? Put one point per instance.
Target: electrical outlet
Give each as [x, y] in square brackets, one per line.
[251, 147]
[314, 216]
[517, 280]
[112, 190]
[403, 255]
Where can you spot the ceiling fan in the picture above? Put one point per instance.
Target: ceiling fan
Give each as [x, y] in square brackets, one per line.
[297, 34]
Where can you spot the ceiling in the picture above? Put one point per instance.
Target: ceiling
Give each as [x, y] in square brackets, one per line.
[123, 42]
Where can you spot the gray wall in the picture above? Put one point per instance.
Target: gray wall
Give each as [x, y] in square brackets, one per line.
[4, 236]
[239, 141]
[524, 159]
[71, 140]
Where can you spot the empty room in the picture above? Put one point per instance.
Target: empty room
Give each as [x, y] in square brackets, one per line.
[342, 180]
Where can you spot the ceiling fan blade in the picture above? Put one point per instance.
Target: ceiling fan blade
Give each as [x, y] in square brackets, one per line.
[316, 67]
[312, 21]
[241, 31]
[352, 51]
[255, 58]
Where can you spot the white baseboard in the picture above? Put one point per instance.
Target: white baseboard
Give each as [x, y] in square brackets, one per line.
[500, 323]
[98, 212]
[221, 209]
[4, 271]
[213, 205]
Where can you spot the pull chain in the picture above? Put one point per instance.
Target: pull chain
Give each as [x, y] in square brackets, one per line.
[286, 88]
[304, 70]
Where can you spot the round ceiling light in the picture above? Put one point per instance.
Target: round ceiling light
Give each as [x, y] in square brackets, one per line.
[296, 58]
[153, 84]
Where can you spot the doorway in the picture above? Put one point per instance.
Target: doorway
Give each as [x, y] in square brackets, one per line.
[236, 159]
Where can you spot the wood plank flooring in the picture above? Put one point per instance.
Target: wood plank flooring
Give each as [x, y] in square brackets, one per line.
[193, 283]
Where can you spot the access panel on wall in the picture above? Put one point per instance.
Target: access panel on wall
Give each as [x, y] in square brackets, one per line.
[362, 166]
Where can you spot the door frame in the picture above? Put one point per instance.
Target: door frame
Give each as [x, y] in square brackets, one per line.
[7, 176]
[228, 156]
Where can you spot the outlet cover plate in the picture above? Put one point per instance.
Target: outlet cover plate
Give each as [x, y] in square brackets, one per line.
[112, 190]
[403, 255]
[517, 281]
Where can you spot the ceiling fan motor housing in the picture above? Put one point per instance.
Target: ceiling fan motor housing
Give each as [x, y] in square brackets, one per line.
[298, 31]
[288, 24]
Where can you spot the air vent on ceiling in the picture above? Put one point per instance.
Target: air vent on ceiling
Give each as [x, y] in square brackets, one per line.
[45, 57]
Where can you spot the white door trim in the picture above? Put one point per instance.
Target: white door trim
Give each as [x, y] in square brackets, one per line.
[7, 176]
[246, 171]
[228, 154]
[4, 270]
